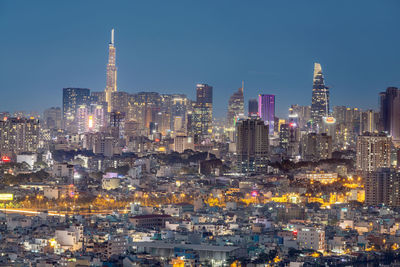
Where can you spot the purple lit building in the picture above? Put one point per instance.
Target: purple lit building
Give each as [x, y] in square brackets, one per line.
[266, 110]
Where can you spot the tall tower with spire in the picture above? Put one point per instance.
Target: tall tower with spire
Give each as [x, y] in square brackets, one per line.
[111, 85]
[320, 98]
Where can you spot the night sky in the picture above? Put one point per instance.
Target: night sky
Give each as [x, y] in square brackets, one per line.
[169, 46]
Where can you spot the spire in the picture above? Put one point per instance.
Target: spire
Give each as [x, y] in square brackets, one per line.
[242, 88]
[112, 36]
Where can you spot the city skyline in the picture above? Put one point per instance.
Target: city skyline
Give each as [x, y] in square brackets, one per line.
[209, 133]
[145, 53]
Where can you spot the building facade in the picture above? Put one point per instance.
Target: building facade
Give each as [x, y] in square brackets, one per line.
[266, 111]
[390, 113]
[320, 98]
[202, 112]
[252, 146]
[52, 118]
[316, 147]
[19, 135]
[73, 98]
[253, 107]
[111, 84]
[235, 106]
[382, 187]
[373, 152]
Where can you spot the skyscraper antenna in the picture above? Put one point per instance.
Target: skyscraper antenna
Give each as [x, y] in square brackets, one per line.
[112, 36]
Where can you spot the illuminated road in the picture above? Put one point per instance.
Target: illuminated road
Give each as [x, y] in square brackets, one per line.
[55, 213]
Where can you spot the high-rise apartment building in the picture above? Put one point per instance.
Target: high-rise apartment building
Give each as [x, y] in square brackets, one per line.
[97, 118]
[98, 98]
[202, 112]
[266, 111]
[320, 98]
[347, 126]
[252, 146]
[72, 99]
[19, 135]
[52, 118]
[235, 106]
[382, 187]
[82, 119]
[390, 113]
[316, 147]
[253, 107]
[373, 152]
[119, 102]
[369, 121]
[111, 84]
[143, 107]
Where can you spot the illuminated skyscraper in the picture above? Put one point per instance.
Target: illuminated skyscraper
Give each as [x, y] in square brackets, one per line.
[202, 115]
[111, 85]
[235, 106]
[320, 98]
[72, 99]
[97, 120]
[266, 110]
[82, 119]
[369, 121]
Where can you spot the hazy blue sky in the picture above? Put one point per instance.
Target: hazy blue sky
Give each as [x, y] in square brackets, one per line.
[169, 46]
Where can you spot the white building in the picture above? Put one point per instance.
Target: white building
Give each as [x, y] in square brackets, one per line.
[63, 170]
[70, 238]
[311, 238]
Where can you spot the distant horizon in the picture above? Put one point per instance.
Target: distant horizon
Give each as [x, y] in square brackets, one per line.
[169, 48]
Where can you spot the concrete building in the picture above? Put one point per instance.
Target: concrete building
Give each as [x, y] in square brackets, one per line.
[150, 220]
[52, 118]
[382, 187]
[311, 238]
[72, 99]
[252, 146]
[316, 147]
[181, 143]
[373, 152]
[19, 135]
[390, 113]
